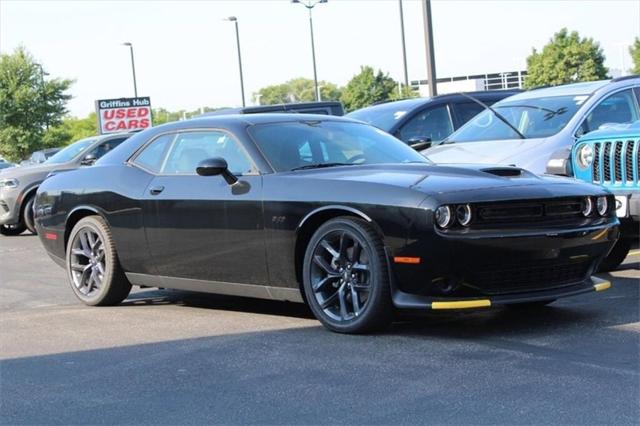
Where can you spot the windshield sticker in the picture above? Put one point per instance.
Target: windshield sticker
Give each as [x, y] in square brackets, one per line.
[579, 100]
[399, 114]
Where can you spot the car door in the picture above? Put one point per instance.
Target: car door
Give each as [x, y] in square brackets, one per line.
[200, 227]
[433, 122]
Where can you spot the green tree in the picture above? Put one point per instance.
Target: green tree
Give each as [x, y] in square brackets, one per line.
[29, 105]
[368, 87]
[634, 50]
[567, 58]
[296, 90]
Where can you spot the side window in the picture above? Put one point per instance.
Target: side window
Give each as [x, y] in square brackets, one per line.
[153, 155]
[190, 148]
[106, 146]
[434, 123]
[467, 110]
[620, 107]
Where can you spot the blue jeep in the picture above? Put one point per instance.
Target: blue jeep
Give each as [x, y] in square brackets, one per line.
[611, 157]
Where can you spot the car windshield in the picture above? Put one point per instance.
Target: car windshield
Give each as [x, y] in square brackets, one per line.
[310, 144]
[70, 152]
[533, 118]
[385, 116]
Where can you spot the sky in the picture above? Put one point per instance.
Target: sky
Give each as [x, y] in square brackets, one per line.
[186, 58]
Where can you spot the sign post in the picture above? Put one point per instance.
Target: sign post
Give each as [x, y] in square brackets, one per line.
[123, 115]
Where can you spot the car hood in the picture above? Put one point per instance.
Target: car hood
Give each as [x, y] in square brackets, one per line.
[34, 170]
[510, 152]
[442, 181]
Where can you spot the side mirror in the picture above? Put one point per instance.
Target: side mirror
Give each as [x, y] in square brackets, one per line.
[89, 159]
[214, 167]
[419, 143]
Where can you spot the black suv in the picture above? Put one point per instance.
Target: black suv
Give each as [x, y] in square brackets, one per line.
[423, 122]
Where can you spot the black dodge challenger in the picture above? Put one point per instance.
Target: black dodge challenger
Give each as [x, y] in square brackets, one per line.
[323, 210]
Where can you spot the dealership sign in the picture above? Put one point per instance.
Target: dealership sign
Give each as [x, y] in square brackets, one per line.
[124, 114]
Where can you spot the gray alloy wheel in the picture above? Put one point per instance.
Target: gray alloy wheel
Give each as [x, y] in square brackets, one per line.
[345, 275]
[93, 268]
[27, 215]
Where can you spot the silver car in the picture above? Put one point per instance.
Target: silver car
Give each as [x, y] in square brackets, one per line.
[536, 129]
[18, 185]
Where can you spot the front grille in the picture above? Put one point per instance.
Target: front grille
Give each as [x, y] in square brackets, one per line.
[528, 275]
[616, 162]
[528, 212]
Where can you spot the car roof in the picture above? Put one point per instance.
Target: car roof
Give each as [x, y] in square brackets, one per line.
[415, 102]
[573, 89]
[251, 119]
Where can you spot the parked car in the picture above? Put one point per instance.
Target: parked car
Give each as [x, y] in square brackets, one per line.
[323, 108]
[320, 209]
[40, 156]
[6, 165]
[422, 122]
[611, 157]
[536, 129]
[18, 185]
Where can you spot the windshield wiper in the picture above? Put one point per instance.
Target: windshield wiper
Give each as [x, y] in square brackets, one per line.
[321, 165]
[504, 120]
[550, 113]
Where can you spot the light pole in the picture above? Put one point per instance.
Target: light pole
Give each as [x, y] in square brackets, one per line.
[428, 42]
[235, 21]
[404, 47]
[43, 93]
[310, 4]
[133, 68]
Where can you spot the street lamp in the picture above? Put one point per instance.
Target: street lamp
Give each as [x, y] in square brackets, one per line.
[133, 68]
[310, 4]
[235, 21]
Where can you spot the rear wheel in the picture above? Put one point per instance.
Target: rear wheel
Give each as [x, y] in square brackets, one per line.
[12, 230]
[93, 268]
[345, 277]
[616, 256]
[27, 216]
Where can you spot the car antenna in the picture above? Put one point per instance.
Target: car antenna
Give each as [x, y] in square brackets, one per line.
[485, 106]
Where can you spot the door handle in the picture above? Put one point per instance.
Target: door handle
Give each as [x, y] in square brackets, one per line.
[156, 190]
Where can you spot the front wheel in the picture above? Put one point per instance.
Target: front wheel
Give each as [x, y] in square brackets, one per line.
[616, 256]
[12, 230]
[27, 216]
[345, 277]
[93, 268]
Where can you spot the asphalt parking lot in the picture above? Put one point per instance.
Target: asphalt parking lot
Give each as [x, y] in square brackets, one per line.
[167, 357]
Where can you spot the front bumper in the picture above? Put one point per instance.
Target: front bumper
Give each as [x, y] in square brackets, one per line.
[415, 302]
[9, 207]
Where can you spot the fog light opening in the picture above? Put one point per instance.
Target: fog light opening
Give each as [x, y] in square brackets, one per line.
[444, 286]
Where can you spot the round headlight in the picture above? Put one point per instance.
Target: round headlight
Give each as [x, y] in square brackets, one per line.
[463, 214]
[585, 156]
[444, 216]
[602, 205]
[587, 206]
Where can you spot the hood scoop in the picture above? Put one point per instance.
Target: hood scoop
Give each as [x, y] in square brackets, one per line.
[504, 171]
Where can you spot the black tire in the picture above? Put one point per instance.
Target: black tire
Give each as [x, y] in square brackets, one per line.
[616, 256]
[530, 305]
[93, 268]
[12, 230]
[350, 277]
[27, 215]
